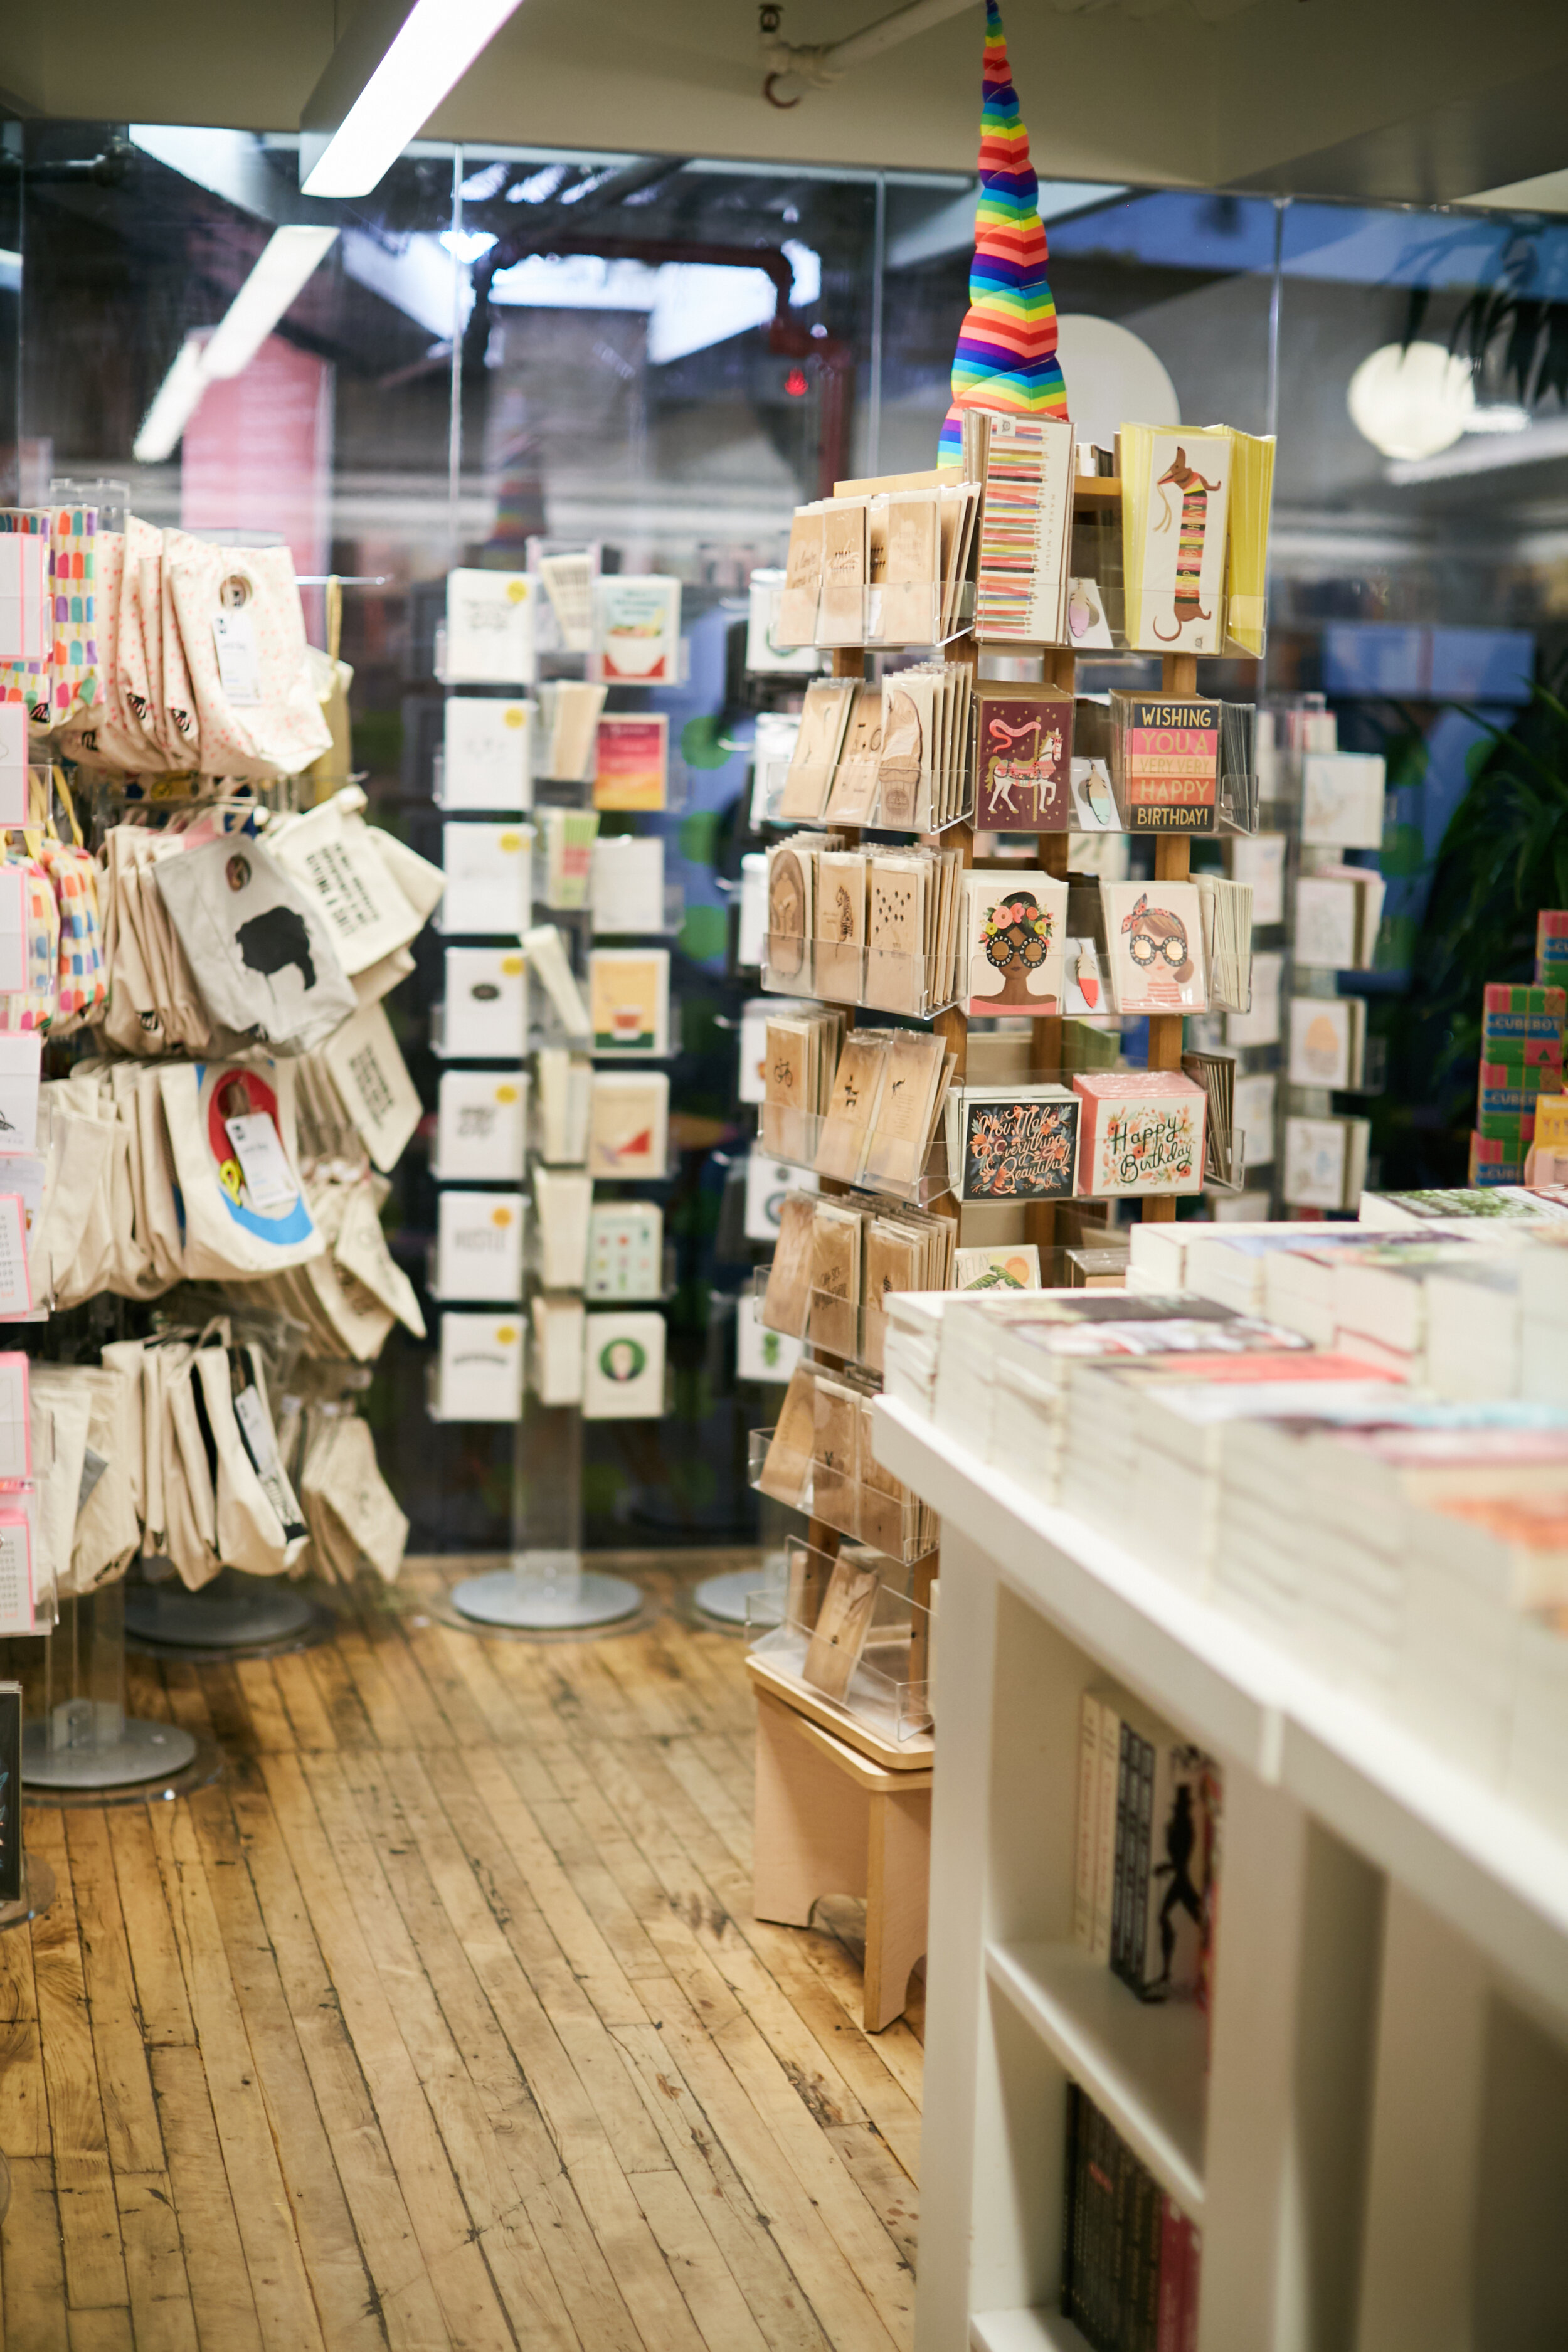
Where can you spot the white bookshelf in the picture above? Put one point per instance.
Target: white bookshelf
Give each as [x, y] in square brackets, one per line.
[1387, 2086]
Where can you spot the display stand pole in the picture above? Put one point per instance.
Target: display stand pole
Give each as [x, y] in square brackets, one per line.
[84, 1738]
[547, 1590]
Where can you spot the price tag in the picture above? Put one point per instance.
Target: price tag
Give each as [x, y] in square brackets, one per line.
[238, 663]
[256, 1430]
[269, 1179]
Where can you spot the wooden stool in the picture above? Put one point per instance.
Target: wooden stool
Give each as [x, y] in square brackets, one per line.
[839, 1811]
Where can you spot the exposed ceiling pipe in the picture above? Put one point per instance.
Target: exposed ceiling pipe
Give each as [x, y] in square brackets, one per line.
[815, 66]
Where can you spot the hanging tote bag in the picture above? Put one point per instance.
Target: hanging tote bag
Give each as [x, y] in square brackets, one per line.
[244, 638]
[258, 945]
[82, 985]
[231, 1133]
[33, 1005]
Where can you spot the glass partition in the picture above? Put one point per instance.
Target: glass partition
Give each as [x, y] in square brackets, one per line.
[660, 356]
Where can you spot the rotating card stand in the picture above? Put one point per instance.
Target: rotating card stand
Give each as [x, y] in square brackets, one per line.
[547, 1590]
[83, 1739]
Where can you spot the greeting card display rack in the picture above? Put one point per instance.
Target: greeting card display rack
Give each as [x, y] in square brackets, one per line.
[547, 1589]
[1096, 498]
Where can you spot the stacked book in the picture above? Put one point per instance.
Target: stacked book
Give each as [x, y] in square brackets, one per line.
[1146, 1880]
[1521, 1061]
[1129, 2256]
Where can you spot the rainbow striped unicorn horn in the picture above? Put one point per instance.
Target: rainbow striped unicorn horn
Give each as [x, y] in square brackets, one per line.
[1006, 355]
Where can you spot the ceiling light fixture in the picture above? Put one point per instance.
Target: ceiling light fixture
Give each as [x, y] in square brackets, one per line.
[173, 405]
[383, 82]
[1412, 400]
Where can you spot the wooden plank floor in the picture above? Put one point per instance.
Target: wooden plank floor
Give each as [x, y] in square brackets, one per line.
[441, 2020]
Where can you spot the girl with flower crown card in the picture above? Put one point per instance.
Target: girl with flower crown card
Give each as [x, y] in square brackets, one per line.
[1015, 928]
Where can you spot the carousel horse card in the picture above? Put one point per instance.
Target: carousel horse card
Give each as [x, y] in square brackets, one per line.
[1024, 751]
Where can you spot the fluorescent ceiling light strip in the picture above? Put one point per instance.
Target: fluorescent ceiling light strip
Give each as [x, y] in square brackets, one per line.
[173, 405]
[286, 261]
[290, 257]
[433, 48]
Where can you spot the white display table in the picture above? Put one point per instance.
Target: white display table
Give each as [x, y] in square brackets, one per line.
[1389, 2050]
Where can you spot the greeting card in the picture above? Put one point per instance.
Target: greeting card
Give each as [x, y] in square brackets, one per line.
[486, 1008]
[628, 1131]
[625, 1250]
[1013, 1143]
[629, 993]
[1024, 755]
[480, 1123]
[637, 629]
[479, 1245]
[488, 869]
[1143, 1132]
[1016, 924]
[623, 1367]
[489, 629]
[485, 754]
[1154, 936]
[632, 766]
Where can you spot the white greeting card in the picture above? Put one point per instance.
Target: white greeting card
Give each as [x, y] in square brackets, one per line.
[1342, 798]
[1315, 1155]
[623, 1367]
[753, 925]
[479, 1245]
[1259, 860]
[628, 1133]
[625, 1250]
[26, 612]
[562, 1198]
[13, 923]
[1256, 1096]
[546, 952]
[481, 1126]
[486, 1008]
[627, 886]
[486, 748]
[480, 1372]
[489, 629]
[767, 1181]
[489, 870]
[761, 1354]
[566, 1082]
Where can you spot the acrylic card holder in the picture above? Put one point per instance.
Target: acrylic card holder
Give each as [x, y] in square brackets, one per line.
[875, 1676]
